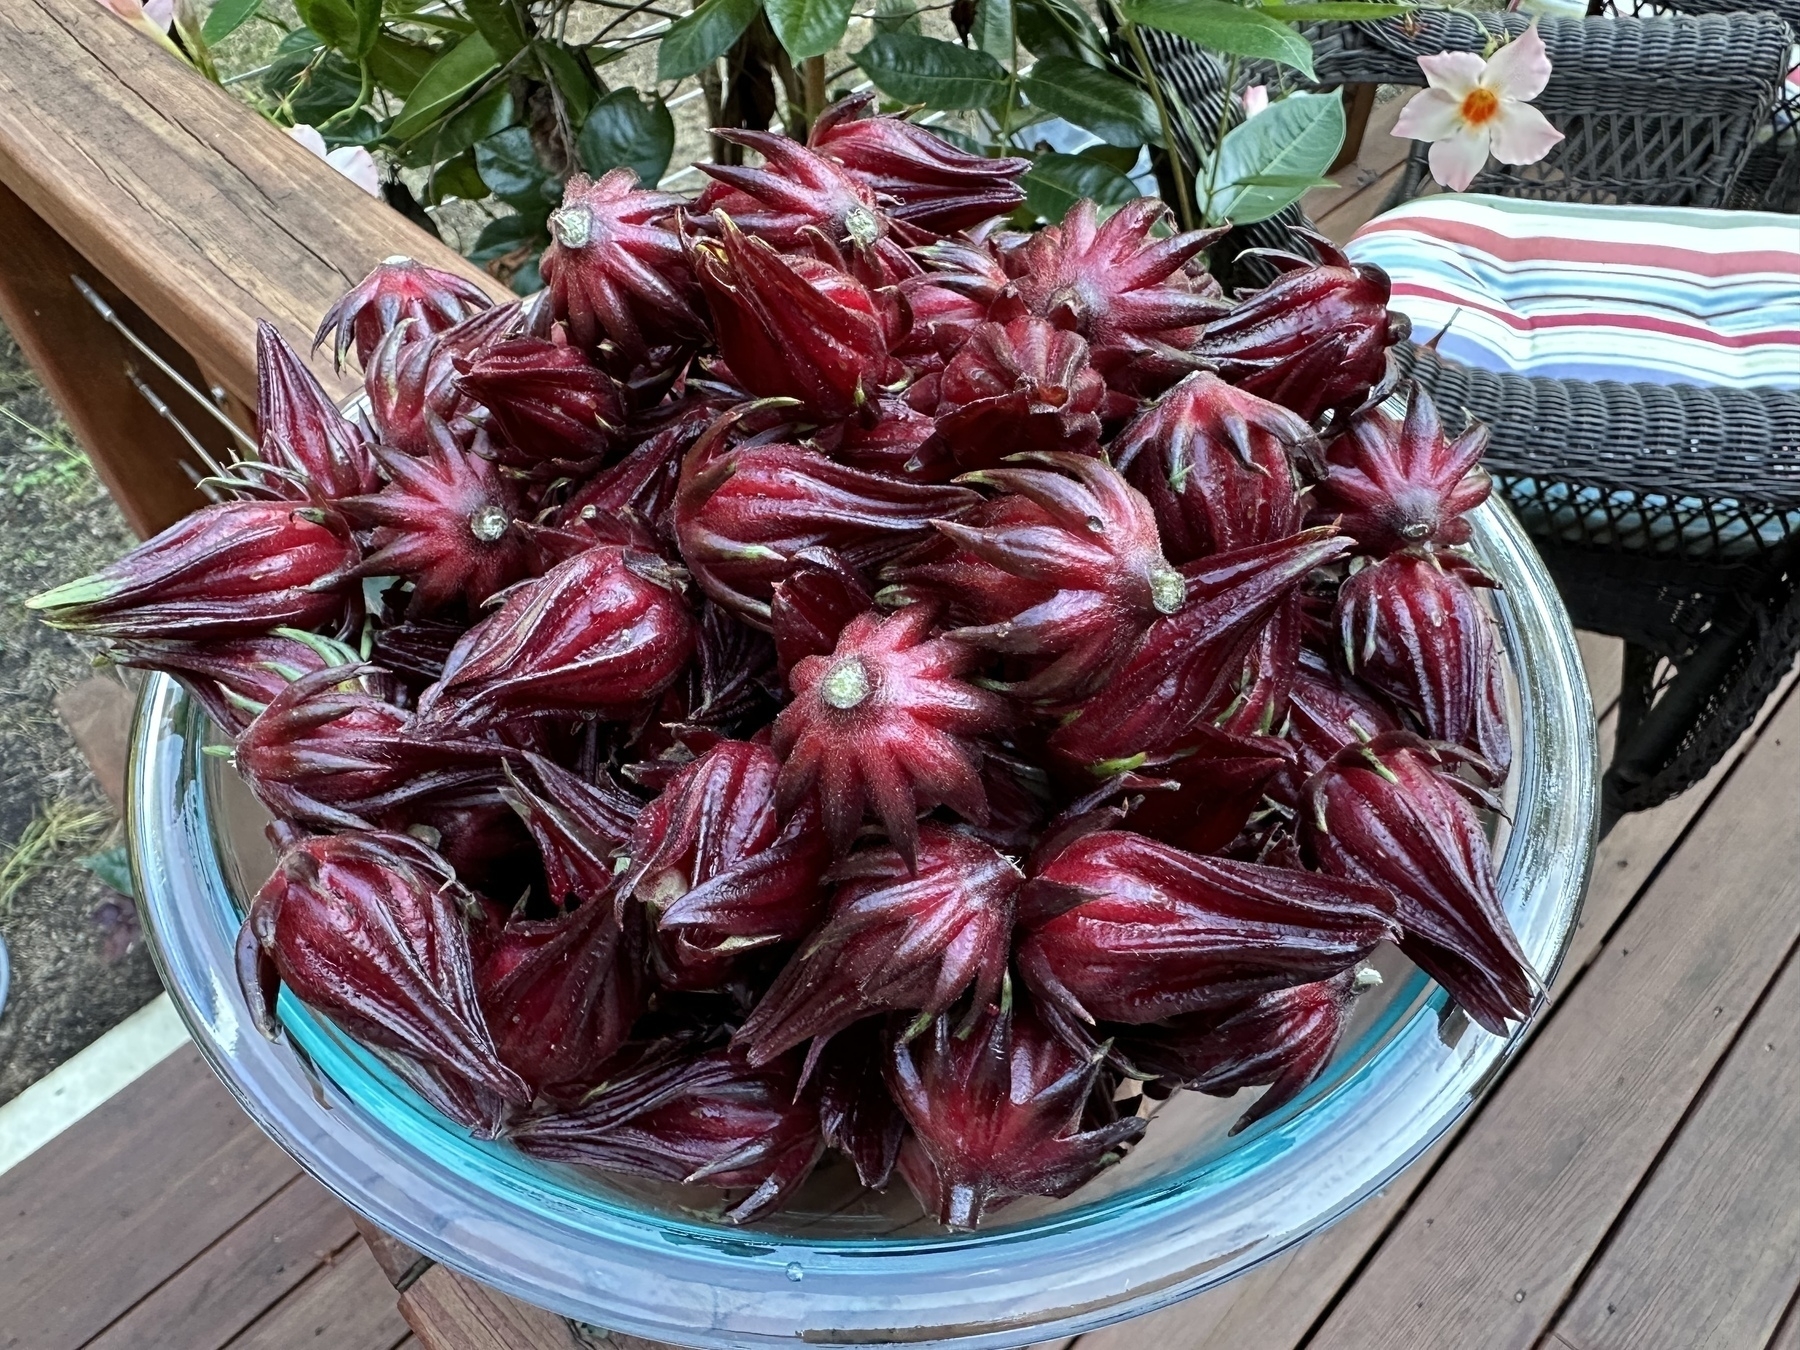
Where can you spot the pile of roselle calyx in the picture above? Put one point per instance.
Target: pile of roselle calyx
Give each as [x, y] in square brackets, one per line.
[833, 673]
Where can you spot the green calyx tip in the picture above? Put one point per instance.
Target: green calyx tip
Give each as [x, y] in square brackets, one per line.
[87, 590]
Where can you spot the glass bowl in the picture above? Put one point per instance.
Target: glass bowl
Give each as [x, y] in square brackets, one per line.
[1189, 1208]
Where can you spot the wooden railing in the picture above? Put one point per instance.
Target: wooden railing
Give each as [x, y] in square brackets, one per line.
[189, 214]
[188, 217]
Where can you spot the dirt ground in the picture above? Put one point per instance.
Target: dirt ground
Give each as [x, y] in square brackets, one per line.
[78, 966]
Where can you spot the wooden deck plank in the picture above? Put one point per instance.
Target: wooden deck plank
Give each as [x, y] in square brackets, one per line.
[1488, 1252]
[1363, 184]
[105, 1213]
[448, 1311]
[241, 1276]
[347, 1304]
[1709, 1254]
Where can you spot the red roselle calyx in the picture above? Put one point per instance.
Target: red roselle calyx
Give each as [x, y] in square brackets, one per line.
[899, 936]
[709, 1118]
[447, 522]
[996, 1113]
[1024, 386]
[1219, 778]
[235, 678]
[797, 328]
[1403, 484]
[302, 432]
[857, 1114]
[1391, 813]
[326, 753]
[1214, 462]
[1412, 629]
[800, 200]
[886, 722]
[1184, 660]
[615, 270]
[397, 291]
[237, 569]
[930, 182]
[1315, 339]
[741, 518]
[600, 634]
[1281, 1040]
[1138, 300]
[718, 871]
[560, 995]
[368, 928]
[411, 380]
[1124, 929]
[1099, 558]
[547, 403]
[811, 604]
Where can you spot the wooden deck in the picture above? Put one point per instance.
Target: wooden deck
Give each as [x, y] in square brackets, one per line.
[1631, 1183]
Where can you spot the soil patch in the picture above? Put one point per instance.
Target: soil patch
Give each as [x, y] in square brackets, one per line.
[79, 967]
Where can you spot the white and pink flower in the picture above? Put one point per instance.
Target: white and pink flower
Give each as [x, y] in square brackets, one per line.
[1474, 108]
[354, 162]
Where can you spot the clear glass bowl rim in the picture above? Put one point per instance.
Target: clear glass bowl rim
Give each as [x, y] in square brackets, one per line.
[652, 1276]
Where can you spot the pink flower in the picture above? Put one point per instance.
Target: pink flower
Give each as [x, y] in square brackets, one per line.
[1255, 99]
[354, 162]
[153, 19]
[1475, 107]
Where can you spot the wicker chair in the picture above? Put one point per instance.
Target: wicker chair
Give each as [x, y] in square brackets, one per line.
[1656, 111]
[1771, 177]
[1670, 515]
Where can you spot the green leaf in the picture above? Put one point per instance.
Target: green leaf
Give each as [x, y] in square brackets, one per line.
[398, 65]
[1223, 27]
[698, 39]
[457, 178]
[1349, 11]
[114, 868]
[451, 76]
[498, 22]
[939, 74]
[505, 235]
[226, 17]
[1271, 159]
[1058, 28]
[489, 115]
[1055, 182]
[1122, 158]
[993, 30]
[808, 27]
[509, 166]
[1114, 109]
[572, 82]
[333, 20]
[625, 130]
[897, 16]
[331, 86]
[368, 26]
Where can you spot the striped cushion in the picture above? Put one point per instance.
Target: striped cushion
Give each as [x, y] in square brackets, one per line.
[1663, 295]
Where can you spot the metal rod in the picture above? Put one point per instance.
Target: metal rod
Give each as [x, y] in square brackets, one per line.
[164, 411]
[107, 312]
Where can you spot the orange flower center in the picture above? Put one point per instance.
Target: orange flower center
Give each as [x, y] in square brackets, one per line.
[1479, 106]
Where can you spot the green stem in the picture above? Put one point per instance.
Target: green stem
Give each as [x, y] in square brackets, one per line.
[1184, 203]
[1218, 147]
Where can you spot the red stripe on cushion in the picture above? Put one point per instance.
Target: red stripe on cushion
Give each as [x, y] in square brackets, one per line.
[1551, 247]
[1605, 319]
